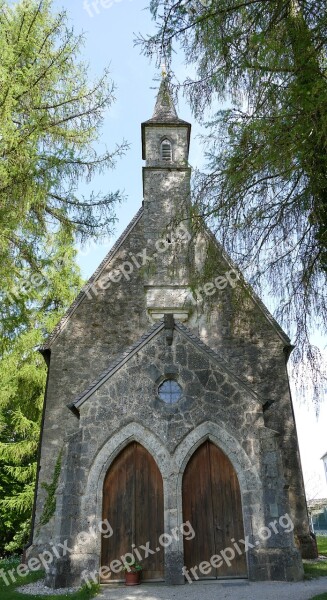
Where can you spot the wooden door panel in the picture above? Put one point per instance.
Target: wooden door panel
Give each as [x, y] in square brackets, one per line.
[133, 505]
[118, 493]
[212, 503]
[149, 519]
[197, 508]
[227, 510]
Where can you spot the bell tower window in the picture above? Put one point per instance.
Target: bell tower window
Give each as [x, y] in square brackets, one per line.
[166, 153]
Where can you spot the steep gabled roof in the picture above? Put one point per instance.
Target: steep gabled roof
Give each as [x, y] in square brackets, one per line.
[164, 114]
[120, 361]
[82, 295]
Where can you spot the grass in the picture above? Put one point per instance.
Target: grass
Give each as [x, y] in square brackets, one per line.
[318, 569]
[322, 544]
[320, 597]
[9, 592]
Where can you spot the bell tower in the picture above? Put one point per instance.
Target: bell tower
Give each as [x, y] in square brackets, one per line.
[166, 192]
[165, 137]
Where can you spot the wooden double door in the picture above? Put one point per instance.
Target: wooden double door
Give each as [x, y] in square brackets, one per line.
[133, 504]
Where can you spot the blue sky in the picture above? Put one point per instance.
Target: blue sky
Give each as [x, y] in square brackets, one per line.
[109, 36]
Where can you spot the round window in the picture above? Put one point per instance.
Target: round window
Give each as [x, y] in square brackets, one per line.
[169, 391]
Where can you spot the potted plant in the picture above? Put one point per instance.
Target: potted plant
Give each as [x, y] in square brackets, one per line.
[132, 573]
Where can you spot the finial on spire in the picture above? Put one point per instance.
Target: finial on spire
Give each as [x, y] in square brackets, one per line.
[163, 70]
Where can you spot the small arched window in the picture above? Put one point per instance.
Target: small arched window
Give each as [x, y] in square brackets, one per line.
[166, 150]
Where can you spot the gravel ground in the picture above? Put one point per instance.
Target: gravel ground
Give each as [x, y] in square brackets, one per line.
[219, 591]
[39, 589]
[210, 590]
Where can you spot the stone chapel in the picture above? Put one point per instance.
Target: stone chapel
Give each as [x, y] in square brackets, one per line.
[168, 429]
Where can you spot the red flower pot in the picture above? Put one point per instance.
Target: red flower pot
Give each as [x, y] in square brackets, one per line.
[132, 577]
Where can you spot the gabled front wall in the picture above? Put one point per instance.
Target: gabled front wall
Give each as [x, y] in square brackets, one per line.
[215, 406]
[105, 324]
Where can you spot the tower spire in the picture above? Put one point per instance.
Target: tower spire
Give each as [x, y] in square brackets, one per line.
[164, 109]
[164, 120]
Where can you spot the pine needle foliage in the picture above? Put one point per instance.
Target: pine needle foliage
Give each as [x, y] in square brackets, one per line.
[22, 383]
[50, 120]
[261, 78]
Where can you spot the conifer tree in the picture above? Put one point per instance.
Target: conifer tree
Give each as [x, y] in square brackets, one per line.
[29, 312]
[50, 119]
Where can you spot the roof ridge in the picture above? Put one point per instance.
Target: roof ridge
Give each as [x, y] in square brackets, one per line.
[60, 325]
[131, 350]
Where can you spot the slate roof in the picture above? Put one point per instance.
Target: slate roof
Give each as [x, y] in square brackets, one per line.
[117, 364]
[62, 323]
[164, 114]
[121, 360]
[164, 110]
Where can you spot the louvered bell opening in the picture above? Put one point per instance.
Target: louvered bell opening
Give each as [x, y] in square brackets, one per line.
[166, 153]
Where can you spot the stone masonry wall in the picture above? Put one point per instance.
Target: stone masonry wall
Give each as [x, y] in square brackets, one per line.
[100, 329]
[213, 403]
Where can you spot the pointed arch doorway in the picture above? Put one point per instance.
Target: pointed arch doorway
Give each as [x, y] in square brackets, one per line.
[212, 504]
[133, 505]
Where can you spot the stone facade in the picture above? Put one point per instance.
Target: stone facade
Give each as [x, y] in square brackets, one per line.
[140, 321]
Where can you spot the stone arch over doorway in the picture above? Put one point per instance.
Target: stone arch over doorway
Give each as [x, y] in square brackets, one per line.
[211, 502]
[93, 496]
[172, 467]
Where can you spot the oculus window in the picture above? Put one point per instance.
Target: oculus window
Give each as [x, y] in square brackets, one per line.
[169, 391]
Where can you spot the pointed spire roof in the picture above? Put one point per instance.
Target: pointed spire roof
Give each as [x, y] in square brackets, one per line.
[164, 109]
